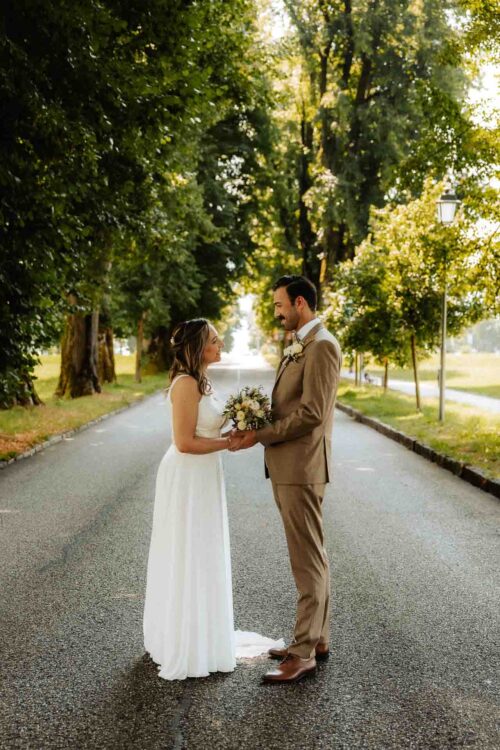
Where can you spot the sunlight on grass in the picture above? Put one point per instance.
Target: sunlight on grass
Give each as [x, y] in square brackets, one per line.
[408, 417]
[22, 428]
[476, 372]
[467, 434]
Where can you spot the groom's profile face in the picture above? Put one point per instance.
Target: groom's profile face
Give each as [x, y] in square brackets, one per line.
[285, 310]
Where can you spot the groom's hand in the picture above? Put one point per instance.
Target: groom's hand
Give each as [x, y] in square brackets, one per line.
[234, 443]
[244, 439]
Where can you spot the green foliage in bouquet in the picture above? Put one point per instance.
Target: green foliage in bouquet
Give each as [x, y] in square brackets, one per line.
[249, 409]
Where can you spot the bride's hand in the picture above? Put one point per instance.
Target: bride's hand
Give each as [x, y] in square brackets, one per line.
[234, 441]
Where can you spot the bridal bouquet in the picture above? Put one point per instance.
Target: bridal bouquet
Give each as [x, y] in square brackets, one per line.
[250, 409]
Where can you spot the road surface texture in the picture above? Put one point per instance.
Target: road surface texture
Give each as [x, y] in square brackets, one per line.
[431, 390]
[414, 555]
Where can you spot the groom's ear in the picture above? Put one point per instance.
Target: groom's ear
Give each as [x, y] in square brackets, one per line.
[301, 302]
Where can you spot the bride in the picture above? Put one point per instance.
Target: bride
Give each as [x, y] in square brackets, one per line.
[188, 611]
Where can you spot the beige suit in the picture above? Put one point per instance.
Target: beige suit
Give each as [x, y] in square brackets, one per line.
[297, 455]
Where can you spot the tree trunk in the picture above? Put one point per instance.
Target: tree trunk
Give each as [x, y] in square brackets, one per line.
[364, 80]
[79, 356]
[386, 374]
[356, 369]
[335, 245]
[106, 358]
[415, 370]
[349, 44]
[106, 366]
[25, 394]
[307, 237]
[159, 353]
[138, 349]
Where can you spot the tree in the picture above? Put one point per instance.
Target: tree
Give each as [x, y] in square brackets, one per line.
[389, 297]
[370, 101]
[387, 82]
[164, 111]
[359, 308]
[107, 114]
[72, 171]
[232, 174]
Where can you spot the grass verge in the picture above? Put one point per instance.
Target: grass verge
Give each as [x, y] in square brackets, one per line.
[21, 428]
[475, 372]
[466, 435]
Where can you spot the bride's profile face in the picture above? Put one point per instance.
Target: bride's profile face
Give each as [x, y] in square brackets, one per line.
[213, 347]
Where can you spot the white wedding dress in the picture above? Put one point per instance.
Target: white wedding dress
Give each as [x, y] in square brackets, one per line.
[188, 611]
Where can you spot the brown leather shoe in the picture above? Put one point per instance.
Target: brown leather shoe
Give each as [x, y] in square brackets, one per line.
[292, 669]
[322, 652]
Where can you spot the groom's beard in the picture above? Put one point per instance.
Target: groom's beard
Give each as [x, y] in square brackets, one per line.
[289, 325]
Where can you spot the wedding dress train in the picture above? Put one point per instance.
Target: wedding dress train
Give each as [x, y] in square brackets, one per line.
[188, 612]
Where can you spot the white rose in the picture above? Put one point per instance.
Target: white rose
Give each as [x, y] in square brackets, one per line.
[237, 406]
[240, 416]
[255, 405]
[242, 425]
[246, 402]
[296, 348]
[260, 413]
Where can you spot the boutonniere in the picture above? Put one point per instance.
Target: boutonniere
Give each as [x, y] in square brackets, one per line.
[294, 351]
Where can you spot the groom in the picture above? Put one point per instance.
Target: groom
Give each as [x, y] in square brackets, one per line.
[297, 456]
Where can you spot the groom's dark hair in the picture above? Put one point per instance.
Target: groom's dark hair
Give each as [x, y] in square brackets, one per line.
[298, 286]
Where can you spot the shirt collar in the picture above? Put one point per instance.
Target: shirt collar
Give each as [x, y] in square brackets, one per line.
[302, 332]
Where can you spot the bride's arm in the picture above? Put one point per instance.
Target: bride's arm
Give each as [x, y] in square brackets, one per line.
[185, 399]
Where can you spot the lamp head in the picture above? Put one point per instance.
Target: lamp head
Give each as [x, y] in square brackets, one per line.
[446, 206]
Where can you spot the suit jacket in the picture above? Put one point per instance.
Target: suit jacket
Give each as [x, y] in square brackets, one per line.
[298, 442]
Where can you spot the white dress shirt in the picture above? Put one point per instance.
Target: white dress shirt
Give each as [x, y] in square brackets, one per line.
[302, 332]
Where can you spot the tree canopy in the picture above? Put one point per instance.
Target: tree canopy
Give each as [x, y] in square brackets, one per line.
[387, 300]
[155, 153]
[133, 140]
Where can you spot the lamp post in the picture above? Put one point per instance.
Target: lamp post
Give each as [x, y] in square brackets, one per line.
[446, 209]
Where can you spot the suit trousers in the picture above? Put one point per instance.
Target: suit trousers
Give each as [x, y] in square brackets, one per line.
[300, 509]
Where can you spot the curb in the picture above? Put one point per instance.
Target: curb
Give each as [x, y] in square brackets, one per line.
[464, 471]
[62, 435]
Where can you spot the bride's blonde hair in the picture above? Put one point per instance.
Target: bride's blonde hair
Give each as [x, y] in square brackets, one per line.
[188, 344]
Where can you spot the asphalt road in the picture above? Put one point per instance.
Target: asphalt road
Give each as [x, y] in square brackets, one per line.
[414, 555]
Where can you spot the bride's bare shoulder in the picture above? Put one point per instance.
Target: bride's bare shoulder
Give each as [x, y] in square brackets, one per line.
[184, 388]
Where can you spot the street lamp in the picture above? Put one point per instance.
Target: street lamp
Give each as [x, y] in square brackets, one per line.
[447, 206]
[446, 209]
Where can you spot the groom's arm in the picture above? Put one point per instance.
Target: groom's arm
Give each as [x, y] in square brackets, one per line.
[321, 378]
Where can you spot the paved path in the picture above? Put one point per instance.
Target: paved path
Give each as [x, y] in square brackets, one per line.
[430, 390]
[414, 554]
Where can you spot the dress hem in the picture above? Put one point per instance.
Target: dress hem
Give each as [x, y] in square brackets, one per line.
[194, 676]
